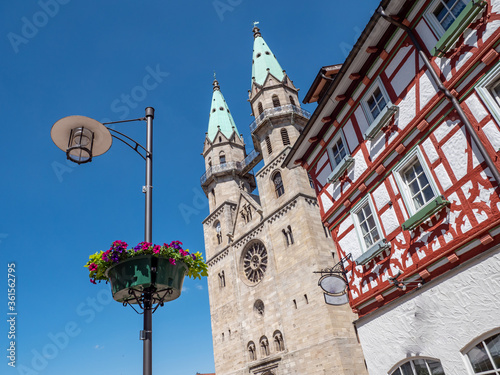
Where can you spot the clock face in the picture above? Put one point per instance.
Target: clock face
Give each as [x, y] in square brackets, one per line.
[255, 262]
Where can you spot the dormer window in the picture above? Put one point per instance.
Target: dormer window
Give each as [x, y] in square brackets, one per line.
[258, 55]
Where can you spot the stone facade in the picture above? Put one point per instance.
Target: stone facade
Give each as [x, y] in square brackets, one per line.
[268, 314]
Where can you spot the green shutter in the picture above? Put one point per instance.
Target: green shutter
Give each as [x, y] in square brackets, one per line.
[339, 169]
[380, 121]
[423, 214]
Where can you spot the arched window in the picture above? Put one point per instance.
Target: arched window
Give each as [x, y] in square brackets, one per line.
[214, 201]
[222, 280]
[260, 108]
[311, 181]
[268, 144]
[285, 234]
[278, 185]
[284, 137]
[292, 102]
[264, 346]
[218, 231]
[251, 351]
[276, 101]
[222, 157]
[419, 366]
[484, 357]
[279, 344]
[290, 235]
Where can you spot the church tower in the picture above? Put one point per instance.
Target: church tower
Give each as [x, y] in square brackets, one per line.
[268, 314]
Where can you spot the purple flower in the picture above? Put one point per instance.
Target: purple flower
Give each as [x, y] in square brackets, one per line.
[193, 256]
[137, 248]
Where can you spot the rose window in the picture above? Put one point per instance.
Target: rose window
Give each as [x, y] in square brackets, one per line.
[255, 262]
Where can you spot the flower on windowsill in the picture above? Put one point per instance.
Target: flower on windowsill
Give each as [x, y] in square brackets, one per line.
[99, 262]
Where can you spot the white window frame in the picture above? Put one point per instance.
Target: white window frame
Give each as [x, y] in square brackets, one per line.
[410, 157]
[368, 253]
[377, 83]
[472, 344]
[338, 168]
[385, 114]
[335, 139]
[412, 364]
[433, 21]
[485, 87]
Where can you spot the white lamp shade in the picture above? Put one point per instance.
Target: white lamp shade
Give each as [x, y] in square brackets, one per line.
[61, 131]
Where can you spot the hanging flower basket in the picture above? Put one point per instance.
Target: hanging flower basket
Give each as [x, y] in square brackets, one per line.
[159, 268]
[146, 271]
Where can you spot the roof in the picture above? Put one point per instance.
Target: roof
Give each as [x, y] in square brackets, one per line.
[220, 116]
[264, 61]
[325, 75]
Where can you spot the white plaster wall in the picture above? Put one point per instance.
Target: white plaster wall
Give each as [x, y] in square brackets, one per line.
[404, 75]
[438, 321]
[426, 34]
[407, 109]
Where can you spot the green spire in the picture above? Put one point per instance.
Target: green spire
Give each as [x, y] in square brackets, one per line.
[220, 116]
[264, 60]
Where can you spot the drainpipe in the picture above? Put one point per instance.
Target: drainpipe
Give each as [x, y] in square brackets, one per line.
[447, 93]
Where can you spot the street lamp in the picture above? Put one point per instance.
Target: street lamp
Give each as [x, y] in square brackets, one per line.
[81, 138]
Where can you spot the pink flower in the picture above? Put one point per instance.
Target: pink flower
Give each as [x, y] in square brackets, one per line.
[172, 261]
[93, 281]
[156, 249]
[183, 253]
[92, 267]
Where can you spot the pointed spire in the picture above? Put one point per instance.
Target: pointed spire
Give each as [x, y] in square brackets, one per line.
[264, 61]
[216, 83]
[220, 116]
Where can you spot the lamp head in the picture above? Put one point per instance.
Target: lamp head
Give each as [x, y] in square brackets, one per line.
[81, 138]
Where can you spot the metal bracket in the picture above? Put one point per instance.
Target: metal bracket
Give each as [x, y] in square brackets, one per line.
[157, 297]
[338, 269]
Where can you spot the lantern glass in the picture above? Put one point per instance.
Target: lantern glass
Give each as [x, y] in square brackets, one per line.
[81, 137]
[81, 141]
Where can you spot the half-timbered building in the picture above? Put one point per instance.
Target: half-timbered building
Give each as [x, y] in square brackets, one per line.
[403, 149]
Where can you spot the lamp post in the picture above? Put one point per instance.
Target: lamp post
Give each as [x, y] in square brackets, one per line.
[82, 138]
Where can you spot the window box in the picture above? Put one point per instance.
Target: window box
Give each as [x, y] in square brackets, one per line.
[463, 20]
[423, 214]
[339, 169]
[381, 120]
[373, 251]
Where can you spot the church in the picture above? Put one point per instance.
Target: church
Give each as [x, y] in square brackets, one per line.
[268, 314]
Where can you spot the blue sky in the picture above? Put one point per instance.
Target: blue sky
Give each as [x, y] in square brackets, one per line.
[93, 58]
